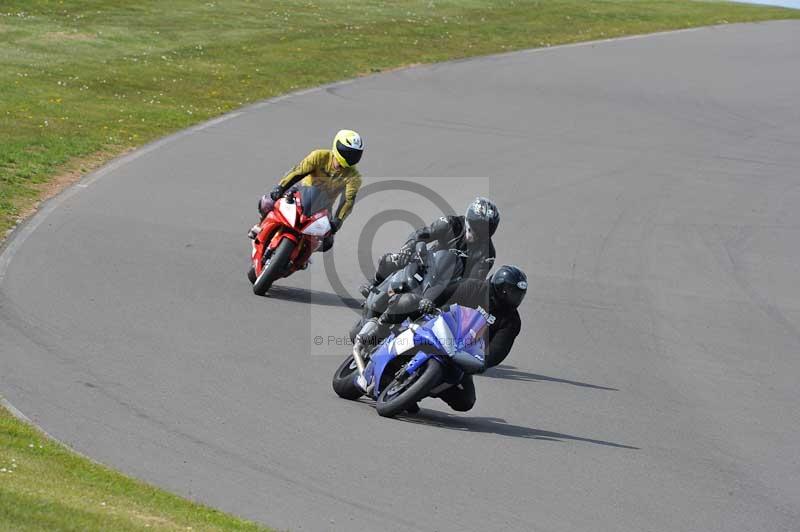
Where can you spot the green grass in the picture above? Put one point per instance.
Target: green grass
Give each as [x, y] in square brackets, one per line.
[44, 486]
[88, 79]
[81, 81]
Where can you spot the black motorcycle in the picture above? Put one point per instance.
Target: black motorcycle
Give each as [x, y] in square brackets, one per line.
[429, 274]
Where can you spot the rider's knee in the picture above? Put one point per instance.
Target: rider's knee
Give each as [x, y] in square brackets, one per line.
[459, 406]
[459, 399]
[463, 404]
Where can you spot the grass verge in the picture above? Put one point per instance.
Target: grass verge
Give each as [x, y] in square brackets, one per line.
[44, 486]
[83, 81]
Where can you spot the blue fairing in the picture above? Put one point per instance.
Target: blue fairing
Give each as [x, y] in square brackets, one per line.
[454, 338]
[418, 360]
[377, 363]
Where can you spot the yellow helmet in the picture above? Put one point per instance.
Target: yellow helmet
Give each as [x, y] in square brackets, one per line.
[347, 147]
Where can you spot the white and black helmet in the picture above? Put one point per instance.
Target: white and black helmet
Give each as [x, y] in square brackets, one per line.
[482, 217]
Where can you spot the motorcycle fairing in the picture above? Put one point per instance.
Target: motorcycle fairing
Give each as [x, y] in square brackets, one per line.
[458, 334]
[287, 211]
[282, 222]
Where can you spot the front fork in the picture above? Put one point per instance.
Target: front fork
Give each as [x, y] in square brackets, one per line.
[258, 266]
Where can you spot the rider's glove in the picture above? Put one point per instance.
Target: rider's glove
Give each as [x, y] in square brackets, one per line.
[336, 224]
[426, 306]
[276, 193]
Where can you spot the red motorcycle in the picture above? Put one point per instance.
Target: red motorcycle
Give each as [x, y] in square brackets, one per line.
[288, 235]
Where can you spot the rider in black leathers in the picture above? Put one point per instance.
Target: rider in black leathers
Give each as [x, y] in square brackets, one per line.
[471, 234]
[439, 272]
[499, 296]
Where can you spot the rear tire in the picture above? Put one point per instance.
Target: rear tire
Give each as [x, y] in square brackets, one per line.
[401, 395]
[275, 268]
[251, 275]
[344, 380]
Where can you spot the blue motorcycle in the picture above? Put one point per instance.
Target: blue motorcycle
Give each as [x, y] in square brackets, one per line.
[422, 359]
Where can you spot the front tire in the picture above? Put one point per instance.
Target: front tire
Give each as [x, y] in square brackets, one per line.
[275, 268]
[403, 392]
[344, 380]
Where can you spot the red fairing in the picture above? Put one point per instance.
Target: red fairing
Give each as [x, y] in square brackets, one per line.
[275, 228]
[306, 221]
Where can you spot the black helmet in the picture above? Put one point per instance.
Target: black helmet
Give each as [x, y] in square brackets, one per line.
[509, 285]
[482, 217]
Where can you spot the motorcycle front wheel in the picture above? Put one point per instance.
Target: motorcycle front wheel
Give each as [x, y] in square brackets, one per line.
[404, 391]
[344, 380]
[274, 268]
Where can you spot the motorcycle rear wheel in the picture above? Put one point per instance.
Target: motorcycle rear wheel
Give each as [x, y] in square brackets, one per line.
[275, 268]
[344, 380]
[404, 392]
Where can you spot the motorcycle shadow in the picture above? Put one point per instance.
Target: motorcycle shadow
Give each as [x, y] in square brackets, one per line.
[495, 425]
[314, 297]
[514, 374]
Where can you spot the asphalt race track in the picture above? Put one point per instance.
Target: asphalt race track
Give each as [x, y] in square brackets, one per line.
[650, 188]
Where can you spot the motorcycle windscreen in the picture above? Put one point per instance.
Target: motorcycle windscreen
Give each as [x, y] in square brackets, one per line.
[314, 199]
[464, 329]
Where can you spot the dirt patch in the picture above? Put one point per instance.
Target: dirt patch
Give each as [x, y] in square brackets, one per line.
[385, 70]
